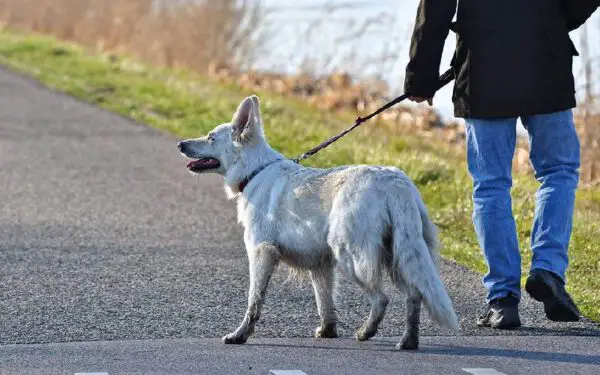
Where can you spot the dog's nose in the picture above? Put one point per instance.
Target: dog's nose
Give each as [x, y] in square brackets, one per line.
[181, 146]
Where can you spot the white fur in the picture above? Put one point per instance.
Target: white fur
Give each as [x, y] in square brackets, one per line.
[364, 220]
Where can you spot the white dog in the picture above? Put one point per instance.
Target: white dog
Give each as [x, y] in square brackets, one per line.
[364, 220]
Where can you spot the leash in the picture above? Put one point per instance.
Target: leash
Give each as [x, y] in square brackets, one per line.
[445, 78]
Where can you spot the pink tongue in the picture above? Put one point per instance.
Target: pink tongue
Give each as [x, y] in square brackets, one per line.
[203, 163]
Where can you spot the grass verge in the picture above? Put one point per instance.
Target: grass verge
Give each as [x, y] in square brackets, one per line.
[187, 104]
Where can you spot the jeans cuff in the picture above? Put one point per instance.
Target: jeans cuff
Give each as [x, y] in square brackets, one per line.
[503, 294]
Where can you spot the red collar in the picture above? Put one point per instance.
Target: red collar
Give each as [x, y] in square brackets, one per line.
[247, 180]
[243, 185]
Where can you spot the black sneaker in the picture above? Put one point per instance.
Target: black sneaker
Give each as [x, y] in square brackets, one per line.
[502, 313]
[548, 288]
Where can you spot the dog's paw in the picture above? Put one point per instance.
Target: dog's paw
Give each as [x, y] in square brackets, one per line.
[328, 331]
[408, 343]
[365, 333]
[235, 339]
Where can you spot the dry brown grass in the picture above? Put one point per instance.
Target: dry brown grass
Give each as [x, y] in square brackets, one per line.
[184, 34]
[220, 38]
[588, 126]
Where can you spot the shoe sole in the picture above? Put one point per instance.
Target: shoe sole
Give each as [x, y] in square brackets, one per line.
[506, 327]
[499, 326]
[554, 308]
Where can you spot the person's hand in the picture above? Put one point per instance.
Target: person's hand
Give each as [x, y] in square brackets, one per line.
[420, 99]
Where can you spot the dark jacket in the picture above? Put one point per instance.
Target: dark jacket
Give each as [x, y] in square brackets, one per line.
[512, 57]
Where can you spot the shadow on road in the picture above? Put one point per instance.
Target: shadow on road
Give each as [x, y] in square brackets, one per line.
[466, 351]
[574, 331]
[449, 350]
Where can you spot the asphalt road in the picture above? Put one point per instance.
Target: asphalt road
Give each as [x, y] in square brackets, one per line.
[439, 355]
[104, 236]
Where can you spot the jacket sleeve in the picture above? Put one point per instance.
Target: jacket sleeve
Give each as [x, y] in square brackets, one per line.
[578, 11]
[432, 25]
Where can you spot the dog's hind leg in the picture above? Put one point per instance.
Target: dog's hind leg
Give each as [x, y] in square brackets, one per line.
[356, 237]
[323, 284]
[410, 339]
[364, 268]
[263, 260]
[379, 302]
[367, 275]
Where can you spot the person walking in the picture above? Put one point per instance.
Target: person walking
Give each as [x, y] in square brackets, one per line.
[513, 59]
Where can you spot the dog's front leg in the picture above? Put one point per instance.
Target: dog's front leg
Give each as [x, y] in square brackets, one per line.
[263, 260]
[322, 281]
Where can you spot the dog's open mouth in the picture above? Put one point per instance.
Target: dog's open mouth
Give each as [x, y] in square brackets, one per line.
[203, 164]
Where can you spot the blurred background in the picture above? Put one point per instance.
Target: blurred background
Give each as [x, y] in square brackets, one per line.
[337, 54]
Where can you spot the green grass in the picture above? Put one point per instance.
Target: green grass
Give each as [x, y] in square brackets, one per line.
[187, 104]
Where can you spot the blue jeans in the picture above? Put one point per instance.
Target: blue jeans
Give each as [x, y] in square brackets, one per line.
[555, 157]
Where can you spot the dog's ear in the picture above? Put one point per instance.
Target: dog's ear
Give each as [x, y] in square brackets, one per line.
[247, 121]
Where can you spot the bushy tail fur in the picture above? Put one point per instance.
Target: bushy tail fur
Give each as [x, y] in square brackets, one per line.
[430, 234]
[416, 258]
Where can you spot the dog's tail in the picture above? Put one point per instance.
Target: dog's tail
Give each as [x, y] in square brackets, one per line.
[416, 258]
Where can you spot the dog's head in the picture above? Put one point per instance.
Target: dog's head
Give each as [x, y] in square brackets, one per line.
[224, 146]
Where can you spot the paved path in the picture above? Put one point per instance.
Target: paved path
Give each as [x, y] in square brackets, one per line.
[105, 236]
[439, 355]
